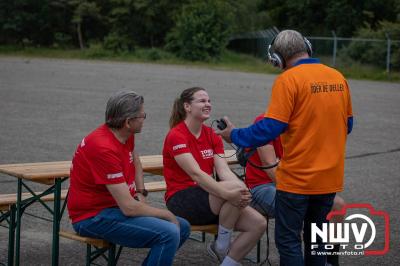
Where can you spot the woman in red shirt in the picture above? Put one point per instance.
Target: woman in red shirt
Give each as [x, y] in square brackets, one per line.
[192, 151]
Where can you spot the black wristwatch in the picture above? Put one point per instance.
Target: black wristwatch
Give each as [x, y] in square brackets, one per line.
[142, 191]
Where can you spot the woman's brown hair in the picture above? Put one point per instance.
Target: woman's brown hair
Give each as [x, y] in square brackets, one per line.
[178, 113]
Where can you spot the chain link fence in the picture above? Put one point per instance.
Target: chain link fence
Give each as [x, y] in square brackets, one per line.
[339, 52]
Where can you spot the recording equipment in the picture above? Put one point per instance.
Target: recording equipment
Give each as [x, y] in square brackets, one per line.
[221, 124]
[277, 60]
[243, 156]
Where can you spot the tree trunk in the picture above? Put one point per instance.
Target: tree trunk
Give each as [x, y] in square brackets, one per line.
[79, 31]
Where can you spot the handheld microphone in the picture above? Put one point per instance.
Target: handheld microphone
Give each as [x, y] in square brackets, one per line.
[221, 124]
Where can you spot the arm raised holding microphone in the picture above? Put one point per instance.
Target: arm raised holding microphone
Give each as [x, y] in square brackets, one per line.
[310, 107]
[255, 135]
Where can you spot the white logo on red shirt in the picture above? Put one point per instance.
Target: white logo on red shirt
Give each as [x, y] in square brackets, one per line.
[83, 143]
[179, 146]
[209, 153]
[130, 157]
[131, 187]
[116, 175]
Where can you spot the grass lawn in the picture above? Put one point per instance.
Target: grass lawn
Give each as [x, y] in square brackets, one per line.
[228, 61]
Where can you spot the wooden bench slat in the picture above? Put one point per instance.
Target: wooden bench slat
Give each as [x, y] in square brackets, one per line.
[155, 186]
[8, 199]
[209, 228]
[100, 243]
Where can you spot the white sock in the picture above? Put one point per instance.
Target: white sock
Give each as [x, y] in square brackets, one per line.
[228, 261]
[223, 239]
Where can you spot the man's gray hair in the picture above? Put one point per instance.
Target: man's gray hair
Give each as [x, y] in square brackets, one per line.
[121, 106]
[289, 43]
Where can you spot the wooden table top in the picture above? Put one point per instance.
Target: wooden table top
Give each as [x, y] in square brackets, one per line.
[46, 172]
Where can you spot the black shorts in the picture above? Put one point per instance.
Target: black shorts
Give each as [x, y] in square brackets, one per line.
[193, 205]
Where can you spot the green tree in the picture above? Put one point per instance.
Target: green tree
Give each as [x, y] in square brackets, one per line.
[202, 30]
[321, 17]
[154, 19]
[249, 16]
[83, 9]
[140, 22]
[26, 21]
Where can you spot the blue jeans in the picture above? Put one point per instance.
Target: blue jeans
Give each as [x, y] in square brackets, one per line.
[263, 199]
[162, 237]
[291, 211]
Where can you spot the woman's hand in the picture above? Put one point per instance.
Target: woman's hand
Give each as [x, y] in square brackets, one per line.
[239, 197]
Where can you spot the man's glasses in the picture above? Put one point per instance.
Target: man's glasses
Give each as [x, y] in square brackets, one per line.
[142, 116]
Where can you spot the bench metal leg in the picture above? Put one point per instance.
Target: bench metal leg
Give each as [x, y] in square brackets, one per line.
[11, 236]
[56, 221]
[88, 254]
[18, 225]
[111, 256]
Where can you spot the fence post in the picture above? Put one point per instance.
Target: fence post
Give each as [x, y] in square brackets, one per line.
[334, 48]
[388, 53]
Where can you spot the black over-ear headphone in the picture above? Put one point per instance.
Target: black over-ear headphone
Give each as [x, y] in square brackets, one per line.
[277, 60]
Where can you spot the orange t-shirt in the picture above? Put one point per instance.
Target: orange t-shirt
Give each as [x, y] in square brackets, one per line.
[314, 100]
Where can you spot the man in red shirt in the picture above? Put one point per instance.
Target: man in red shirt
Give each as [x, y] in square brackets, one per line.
[107, 194]
[261, 182]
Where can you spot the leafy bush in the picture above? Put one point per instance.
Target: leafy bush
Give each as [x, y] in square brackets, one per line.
[62, 40]
[201, 31]
[375, 53]
[118, 43]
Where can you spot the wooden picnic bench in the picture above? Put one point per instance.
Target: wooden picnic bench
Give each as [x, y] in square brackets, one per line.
[96, 247]
[7, 200]
[53, 174]
[8, 212]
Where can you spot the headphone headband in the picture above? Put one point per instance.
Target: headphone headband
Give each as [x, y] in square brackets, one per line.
[277, 60]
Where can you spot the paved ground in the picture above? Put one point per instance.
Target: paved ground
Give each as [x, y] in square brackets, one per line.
[47, 106]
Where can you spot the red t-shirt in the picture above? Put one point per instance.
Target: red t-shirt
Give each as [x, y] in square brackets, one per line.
[100, 159]
[180, 140]
[255, 176]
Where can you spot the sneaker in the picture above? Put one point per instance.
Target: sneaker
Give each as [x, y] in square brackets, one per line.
[213, 253]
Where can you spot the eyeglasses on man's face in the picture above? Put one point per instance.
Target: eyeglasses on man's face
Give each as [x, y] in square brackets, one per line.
[143, 115]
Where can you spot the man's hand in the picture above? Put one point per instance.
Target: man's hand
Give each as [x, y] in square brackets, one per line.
[140, 197]
[171, 217]
[226, 133]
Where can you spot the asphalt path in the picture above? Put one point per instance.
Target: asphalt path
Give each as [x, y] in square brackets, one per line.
[48, 106]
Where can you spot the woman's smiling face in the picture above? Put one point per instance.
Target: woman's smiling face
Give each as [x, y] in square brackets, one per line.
[200, 106]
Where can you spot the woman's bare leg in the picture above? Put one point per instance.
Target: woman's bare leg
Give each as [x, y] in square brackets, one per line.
[252, 226]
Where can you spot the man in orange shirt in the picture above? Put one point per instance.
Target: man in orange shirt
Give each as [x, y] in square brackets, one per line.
[311, 109]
